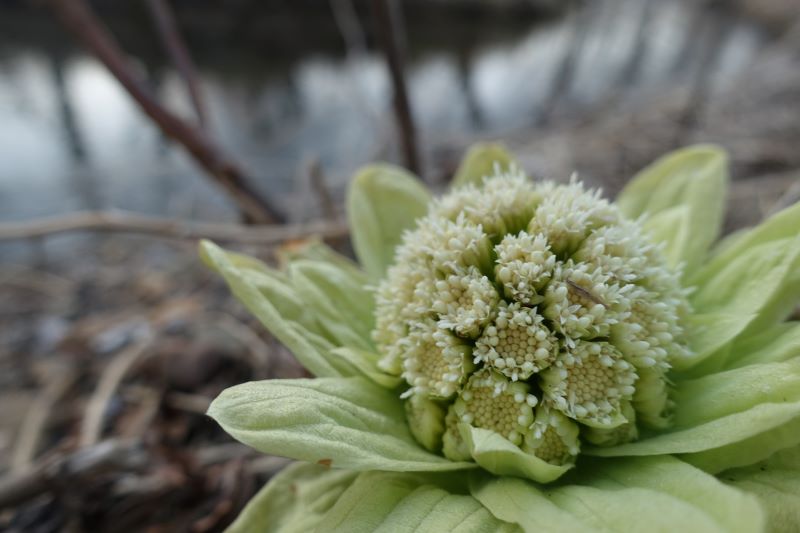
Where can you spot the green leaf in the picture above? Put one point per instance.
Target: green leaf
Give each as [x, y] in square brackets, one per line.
[695, 177]
[731, 510]
[390, 503]
[763, 280]
[622, 496]
[312, 350]
[728, 419]
[776, 483]
[672, 227]
[272, 284]
[709, 334]
[480, 161]
[737, 439]
[725, 243]
[345, 422]
[339, 300]
[315, 250]
[750, 450]
[733, 391]
[781, 225]
[778, 343]
[366, 362]
[523, 503]
[294, 501]
[383, 202]
[499, 456]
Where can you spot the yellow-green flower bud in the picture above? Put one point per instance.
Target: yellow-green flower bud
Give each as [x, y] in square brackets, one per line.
[426, 421]
[453, 445]
[512, 294]
[464, 302]
[553, 437]
[621, 434]
[435, 361]
[524, 266]
[516, 343]
[490, 401]
[584, 302]
[588, 382]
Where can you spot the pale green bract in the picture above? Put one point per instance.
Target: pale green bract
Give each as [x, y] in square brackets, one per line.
[454, 378]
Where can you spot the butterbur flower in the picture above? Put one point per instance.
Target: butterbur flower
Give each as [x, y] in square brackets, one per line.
[524, 355]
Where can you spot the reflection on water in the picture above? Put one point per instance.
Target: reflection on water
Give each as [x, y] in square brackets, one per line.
[70, 138]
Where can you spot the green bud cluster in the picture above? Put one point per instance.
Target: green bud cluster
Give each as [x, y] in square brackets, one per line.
[533, 310]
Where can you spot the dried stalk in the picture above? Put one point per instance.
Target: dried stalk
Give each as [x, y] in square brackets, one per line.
[122, 222]
[67, 472]
[77, 17]
[178, 53]
[385, 31]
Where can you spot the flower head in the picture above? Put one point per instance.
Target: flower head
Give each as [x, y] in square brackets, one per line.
[516, 329]
[536, 311]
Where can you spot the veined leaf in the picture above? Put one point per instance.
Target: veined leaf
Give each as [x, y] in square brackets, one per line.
[315, 250]
[763, 280]
[340, 301]
[499, 456]
[366, 363]
[396, 503]
[709, 334]
[672, 228]
[776, 483]
[345, 422]
[273, 284]
[782, 225]
[625, 495]
[383, 202]
[294, 501]
[480, 162]
[731, 510]
[717, 395]
[695, 177]
[750, 450]
[523, 503]
[736, 439]
[778, 343]
[312, 350]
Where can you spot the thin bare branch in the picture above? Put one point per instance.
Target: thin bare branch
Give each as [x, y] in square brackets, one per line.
[66, 472]
[122, 222]
[35, 423]
[78, 18]
[113, 374]
[320, 187]
[178, 53]
[385, 29]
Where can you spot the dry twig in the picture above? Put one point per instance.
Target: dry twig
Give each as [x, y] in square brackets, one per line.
[385, 30]
[35, 422]
[113, 374]
[68, 471]
[320, 188]
[77, 16]
[190, 403]
[122, 222]
[258, 353]
[178, 53]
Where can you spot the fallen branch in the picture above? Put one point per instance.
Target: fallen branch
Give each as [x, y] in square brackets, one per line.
[122, 222]
[67, 472]
[385, 29]
[35, 423]
[112, 376]
[77, 17]
[178, 53]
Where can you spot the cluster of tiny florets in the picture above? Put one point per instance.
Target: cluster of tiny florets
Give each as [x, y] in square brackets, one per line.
[533, 310]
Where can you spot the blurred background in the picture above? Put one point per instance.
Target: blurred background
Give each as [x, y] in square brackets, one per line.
[130, 128]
